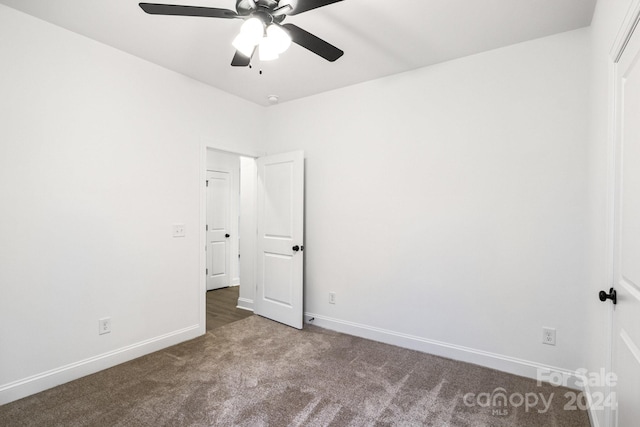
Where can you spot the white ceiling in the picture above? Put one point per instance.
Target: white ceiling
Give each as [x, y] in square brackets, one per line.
[379, 38]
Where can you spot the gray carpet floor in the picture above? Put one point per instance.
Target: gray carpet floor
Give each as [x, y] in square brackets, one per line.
[255, 372]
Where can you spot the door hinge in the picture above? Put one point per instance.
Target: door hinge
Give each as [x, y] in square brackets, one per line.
[207, 181]
[206, 227]
[207, 271]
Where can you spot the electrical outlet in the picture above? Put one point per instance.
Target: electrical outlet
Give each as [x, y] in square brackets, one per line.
[549, 336]
[104, 325]
[178, 230]
[332, 297]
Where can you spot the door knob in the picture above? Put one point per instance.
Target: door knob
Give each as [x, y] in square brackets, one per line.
[226, 235]
[296, 248]
[612, 295]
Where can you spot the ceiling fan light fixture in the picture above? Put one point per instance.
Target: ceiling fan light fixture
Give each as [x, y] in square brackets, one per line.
[244, 44]
[268, 50]
[279, 38]
[250, 35]
[253, 29]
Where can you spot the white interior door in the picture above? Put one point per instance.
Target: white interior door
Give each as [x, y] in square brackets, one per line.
[217, 229]
[626, 313]
[280, 238]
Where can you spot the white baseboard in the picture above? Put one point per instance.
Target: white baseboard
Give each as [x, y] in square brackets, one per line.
[245, 304]
[451, 351]
[45, 380]
[511, 365]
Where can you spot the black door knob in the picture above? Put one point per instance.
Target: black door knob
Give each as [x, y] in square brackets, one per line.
[612, 295]
[226, 235]
[296, 248]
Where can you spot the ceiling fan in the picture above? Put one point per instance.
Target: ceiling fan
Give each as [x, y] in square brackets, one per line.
[262, 29]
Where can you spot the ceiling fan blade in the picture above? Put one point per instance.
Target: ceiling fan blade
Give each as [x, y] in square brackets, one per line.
[239, 60]
[172, 9]
[313, 43]
[282, 10]
[300, 6]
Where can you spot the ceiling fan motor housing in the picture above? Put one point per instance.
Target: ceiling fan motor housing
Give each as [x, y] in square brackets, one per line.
[245, 7]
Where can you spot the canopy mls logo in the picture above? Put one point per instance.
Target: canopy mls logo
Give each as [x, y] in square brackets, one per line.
[500, 401]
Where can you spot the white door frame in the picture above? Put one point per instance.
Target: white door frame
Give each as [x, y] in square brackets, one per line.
[246, 251]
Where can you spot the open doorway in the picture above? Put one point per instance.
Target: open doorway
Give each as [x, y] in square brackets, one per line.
[230, 246]
[269, 236]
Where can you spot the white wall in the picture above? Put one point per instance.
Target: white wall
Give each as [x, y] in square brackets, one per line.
[248, 228]
[456, 209]
[100, 153]
[447, 206]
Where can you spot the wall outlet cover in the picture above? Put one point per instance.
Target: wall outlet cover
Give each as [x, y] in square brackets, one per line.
[104, 325]
[549, 336]
[178, 230]
[332, 297]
